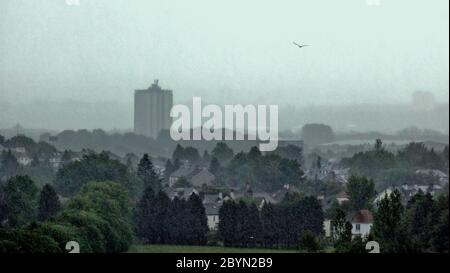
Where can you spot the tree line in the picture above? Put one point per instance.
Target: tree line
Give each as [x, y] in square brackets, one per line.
[160, 220]
[242, 224]
[415, 155]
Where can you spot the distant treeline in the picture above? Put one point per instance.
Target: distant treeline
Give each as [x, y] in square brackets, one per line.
[395, 169]
[130, 143]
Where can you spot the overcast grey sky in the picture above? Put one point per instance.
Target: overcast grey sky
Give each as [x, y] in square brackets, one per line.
[225, 51]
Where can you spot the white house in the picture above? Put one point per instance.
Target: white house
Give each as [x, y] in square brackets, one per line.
[362, 223]
[55, 162]
[212, 213]
[327, 227]
[24, 160]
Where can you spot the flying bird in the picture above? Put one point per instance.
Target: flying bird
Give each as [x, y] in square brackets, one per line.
[299, 46]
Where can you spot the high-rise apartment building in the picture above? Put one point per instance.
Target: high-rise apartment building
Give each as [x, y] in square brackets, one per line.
[152, 110]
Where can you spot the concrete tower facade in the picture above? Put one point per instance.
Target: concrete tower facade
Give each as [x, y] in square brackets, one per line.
[152, 110]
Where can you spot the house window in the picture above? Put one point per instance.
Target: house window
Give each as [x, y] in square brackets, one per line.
[358, 227]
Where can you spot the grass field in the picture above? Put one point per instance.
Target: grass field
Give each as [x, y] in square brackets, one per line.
[199, 249]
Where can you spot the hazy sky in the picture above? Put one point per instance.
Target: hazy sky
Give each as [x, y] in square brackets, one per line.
[226, 51]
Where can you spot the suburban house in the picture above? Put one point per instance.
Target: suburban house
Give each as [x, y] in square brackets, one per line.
[198, 177]
[24, 160]
[55, 161]
[183, 171]
[342, 197]
[408, 191]
[440, 175]
[327, 227]
[262, 198]
[212, 213]
[362, 222]
[202, 178]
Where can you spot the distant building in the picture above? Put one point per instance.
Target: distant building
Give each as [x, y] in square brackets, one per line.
[342, 197]
[19, 150]
[152, 110]
[196, 176]
[327, 227]
[212, 213]
[24, 160]
[362, 223]
[185, 171]
[202, 178]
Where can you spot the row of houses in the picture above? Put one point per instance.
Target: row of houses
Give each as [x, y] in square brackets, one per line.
[19, 153]
[361, 221]
[213, 202]
[24, 159]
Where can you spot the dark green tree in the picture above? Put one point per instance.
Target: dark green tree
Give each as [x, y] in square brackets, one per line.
[222, 152]
[19, 195]
[309, 242]
[269, 225]
[199, 221]
[94, 167]
[439, 233]
[162, 206]
[147, 173]
[418, 217]
[49, 203]
[9, 166]
[388, 228]
[145, 217]
[105, 206]
[342, 231]
[214, 166]
[361, 192]
[254, 225]
[228, 223]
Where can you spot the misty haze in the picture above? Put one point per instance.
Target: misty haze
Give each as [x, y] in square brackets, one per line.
[224, 126]
[75, 67]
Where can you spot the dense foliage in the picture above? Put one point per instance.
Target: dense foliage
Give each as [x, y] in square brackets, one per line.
[243, 225]
[94, 167]
[390, 169]
[159, 220]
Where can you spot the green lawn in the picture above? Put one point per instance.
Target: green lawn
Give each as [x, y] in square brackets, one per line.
[199, 249]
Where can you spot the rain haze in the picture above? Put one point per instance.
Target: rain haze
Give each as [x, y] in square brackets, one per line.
[371, 65]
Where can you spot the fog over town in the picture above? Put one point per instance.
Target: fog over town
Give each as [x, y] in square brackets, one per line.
[231, 127]
[368, 67]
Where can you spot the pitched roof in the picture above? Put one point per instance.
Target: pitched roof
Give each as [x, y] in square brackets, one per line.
[342, 195]
[260, 196]
[211, 198]
[182, 193]
[212, 209]
[363, 216]
[203, 177]
[184, 172]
